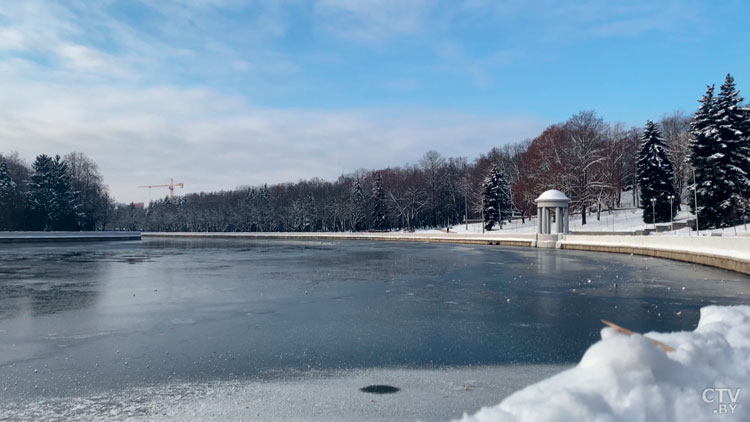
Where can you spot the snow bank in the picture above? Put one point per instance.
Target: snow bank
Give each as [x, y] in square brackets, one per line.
[623, 220]
[624, 378]
[734, 247]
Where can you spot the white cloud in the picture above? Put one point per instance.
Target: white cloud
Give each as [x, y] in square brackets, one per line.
[373, 20]
[62, 90]
[550, 20]
[211, 141]
[11, 39]
[481, 70]
[565, 22]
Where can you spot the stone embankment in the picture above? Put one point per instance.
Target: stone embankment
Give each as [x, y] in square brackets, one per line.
[33, 237]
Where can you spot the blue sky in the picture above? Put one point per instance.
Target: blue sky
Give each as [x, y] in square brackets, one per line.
[221, 93]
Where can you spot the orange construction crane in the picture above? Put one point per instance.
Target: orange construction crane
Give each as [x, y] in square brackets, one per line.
[171, 187]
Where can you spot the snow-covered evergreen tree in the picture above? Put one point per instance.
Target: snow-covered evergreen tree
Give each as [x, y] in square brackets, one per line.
[379, 208]
[41, 195]
[655, 177]
[265, 209]
[718, 153]
[51, 201]
[732, 133]
[10, 200]
[6, 182]
[745, 160]
[358, 207]
[703, 159]
[496, 198]
[66, 215]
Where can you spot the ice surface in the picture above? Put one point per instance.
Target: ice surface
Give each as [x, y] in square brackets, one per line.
[426, 395]
[618, 379]
[624, 378]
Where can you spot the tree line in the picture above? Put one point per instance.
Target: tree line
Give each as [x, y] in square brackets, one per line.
[593, 161]
[55, 193]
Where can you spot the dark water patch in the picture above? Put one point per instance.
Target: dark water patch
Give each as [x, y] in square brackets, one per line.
[380, 389]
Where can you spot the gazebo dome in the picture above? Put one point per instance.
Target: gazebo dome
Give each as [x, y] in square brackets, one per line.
[552, 195]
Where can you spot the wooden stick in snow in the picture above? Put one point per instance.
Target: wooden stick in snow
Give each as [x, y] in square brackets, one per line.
[621, 330]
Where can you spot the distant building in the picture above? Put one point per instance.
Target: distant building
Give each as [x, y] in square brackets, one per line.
[120, 205]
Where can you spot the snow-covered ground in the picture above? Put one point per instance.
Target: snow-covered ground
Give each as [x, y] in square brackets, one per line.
[623, 378]
[624, 220]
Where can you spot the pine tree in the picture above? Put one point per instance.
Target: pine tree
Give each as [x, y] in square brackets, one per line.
[379, 208]
[357, 207]
[51, 201]
[41, 195]
[745, 159]
[732, 133]
[703, 152]
[655, 177]
[10, 200]
[496, 198]
[265, 209]
[249, 219]
[66, 215]
[718, 154]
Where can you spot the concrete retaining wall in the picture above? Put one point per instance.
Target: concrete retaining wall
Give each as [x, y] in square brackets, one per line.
[731, 253]
[33, 237]
[504, 240]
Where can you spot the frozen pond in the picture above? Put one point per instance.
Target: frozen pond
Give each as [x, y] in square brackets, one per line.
[178, 318]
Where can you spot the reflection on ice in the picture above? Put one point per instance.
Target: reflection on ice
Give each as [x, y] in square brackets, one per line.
[93, 318]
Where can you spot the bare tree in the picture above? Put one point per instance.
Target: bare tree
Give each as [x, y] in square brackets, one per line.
[88, 183]
[432, 164]
[675, 128]
[586, 132]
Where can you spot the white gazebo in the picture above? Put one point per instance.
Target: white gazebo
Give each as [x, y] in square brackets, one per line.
[548, 201]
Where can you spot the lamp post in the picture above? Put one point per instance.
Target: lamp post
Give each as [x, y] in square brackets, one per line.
[466, 212]
[671, 222]
[653, 209]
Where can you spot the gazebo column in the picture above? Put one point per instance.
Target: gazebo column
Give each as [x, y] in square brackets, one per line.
[558, 220]
[546, 220]
[566, 229]
[538, 219]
